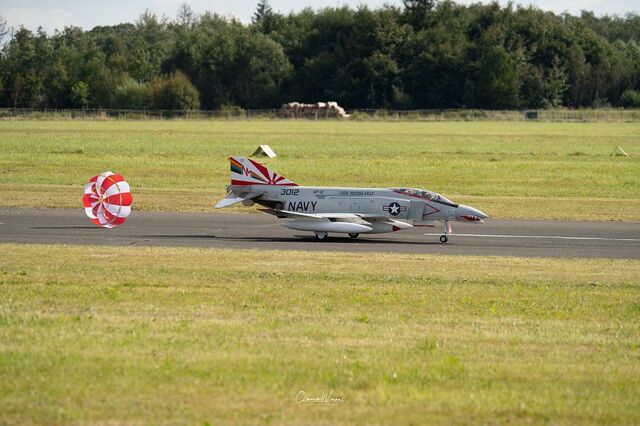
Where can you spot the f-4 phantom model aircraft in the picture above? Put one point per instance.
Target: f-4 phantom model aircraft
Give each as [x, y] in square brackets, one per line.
[351, 211]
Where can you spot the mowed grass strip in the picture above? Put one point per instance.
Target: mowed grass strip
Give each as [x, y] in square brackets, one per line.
[509, 169]
[125, 335]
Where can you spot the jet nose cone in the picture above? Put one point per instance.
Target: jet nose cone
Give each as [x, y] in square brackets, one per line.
[469, 214]
[480, 214]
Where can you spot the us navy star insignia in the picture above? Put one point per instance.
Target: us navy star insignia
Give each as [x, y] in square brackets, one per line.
[394, 209]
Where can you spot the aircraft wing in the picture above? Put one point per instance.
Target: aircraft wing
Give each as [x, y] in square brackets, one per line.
[311, 216]
[339, 216]
[298, 215]
[351, 223]
[364, 219]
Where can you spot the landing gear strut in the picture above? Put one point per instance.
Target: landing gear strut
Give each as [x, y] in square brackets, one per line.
[447, 230]
[354, 235]
[321, 236]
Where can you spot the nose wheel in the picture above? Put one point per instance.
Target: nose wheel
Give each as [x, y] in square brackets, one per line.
[447, 230]
[354, 235]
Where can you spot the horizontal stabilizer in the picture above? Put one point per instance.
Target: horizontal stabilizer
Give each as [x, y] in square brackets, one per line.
[233, 198]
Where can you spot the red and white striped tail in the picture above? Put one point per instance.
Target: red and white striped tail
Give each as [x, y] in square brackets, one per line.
[245, 171]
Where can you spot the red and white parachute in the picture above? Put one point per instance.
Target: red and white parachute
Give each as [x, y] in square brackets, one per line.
[107, 199]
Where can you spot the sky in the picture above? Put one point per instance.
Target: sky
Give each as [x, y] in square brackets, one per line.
[52, 14]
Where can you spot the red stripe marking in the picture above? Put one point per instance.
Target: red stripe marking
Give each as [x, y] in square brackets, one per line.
[118, 221]
[242, 182]
[110, 181]
[88, 199]
[124, 199]
[127, 199]
[262, 169]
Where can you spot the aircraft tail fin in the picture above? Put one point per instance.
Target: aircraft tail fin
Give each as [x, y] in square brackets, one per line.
[245, 171]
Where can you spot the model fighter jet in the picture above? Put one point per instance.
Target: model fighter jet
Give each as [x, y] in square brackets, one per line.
[351, 211]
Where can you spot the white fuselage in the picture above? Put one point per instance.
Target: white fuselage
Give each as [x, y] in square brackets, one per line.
[341, 210]
[368, 202]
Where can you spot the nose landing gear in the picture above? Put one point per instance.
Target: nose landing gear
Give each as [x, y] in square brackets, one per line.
[447, 230]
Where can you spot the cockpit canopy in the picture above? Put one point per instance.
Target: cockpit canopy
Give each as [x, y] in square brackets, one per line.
[424, 194]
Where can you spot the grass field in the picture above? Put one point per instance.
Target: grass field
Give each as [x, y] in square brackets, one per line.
[201, 336]
[195, 336]
[507, 169]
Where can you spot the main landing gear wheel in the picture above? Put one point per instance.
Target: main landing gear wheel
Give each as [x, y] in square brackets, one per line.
[354, 235]
[444, 238]
[321, 236]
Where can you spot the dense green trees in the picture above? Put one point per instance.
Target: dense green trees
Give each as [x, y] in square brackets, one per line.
[173, 92]
[426, 54]
[630, 99]
[230, 63]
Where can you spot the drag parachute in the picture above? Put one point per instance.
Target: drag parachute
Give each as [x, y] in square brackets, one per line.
[107, 199]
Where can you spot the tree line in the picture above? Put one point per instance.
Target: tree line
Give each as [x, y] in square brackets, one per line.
[426, 54]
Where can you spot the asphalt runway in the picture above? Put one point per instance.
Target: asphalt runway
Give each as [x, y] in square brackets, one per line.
[262, 231]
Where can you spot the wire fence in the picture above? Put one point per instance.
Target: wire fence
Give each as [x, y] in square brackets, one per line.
[558, 115]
